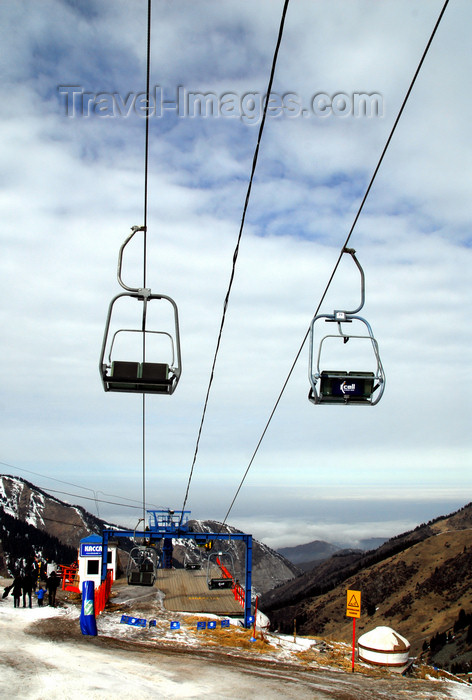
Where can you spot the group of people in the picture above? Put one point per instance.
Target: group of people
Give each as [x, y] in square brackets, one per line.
[26, 583]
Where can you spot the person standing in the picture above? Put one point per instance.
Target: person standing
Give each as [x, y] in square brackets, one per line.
[52, 584]
[40, 594]
[17, 588]
[28, 585]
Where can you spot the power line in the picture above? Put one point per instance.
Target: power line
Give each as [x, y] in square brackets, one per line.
[78, 486]
[346, 242]
[100, 500]
[236, 250]
[63, 522]
[59, 481]
[68, 483]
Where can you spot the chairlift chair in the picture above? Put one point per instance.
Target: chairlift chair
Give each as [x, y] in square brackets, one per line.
[346, 387]
[147, 376]
[192, 560]
[140, 377]
[219, 582]
[142, 566]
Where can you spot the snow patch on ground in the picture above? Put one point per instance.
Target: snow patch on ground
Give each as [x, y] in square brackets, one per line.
[460, 692]
[33, 666]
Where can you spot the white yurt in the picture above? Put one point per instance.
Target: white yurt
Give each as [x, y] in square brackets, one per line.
[383, 646]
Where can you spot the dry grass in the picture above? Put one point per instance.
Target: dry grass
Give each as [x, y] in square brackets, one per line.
[233, 640]
[228, 637]
[417, 621]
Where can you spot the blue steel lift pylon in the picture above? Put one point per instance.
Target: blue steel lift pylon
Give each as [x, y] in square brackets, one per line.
[168, 525]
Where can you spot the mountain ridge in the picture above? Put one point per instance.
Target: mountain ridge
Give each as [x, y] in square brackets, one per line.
[32, 506]
[308, 554]
[69, 523]
[416, 582]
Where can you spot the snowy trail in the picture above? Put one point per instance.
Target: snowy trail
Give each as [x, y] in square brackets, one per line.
[33, 667]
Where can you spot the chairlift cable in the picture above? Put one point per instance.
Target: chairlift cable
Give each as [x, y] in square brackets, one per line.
[146, 181]
[146, 144]
[346, 242]
[236, 250]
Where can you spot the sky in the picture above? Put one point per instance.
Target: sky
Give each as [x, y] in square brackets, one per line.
[72, 186]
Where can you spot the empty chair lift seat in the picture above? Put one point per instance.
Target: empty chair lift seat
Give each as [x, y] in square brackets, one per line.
[154, 378]
[154, 371]
[146, 377]
[141, 578]
[346, 387]
[124, 375]
[220, 583]
[145, 576]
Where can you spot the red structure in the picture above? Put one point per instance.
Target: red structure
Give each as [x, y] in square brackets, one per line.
[102, 593]
[70, 577]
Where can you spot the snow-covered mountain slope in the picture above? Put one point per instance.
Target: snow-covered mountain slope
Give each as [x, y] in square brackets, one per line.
[28, 503]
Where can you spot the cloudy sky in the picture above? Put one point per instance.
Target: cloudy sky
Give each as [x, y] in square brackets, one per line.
[72, 185]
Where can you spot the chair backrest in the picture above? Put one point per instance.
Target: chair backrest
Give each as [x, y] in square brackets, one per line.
[125, 370]
[154, 371]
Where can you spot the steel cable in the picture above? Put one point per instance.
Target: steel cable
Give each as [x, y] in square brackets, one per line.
[236, 250]
[346, 242]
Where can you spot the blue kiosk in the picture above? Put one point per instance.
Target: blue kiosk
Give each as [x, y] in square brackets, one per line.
[167, 525]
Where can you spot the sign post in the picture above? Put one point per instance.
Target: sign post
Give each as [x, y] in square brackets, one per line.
[353, 609]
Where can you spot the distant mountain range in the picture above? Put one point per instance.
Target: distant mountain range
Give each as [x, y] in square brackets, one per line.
[417, 583]
[307, 556]
[309, 553]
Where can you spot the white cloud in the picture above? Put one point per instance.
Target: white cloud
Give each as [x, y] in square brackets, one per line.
[72, 188]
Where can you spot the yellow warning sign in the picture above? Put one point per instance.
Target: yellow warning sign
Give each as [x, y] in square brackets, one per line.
[353, 605]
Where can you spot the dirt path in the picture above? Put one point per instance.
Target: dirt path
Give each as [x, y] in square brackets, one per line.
[44, 655]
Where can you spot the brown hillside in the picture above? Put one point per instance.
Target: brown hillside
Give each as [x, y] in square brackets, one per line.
[346, 563]
[418, 592]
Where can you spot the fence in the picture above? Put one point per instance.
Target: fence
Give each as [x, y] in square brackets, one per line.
[102, 593]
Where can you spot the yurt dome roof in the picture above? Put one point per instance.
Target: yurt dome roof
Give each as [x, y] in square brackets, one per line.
[384, 639]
